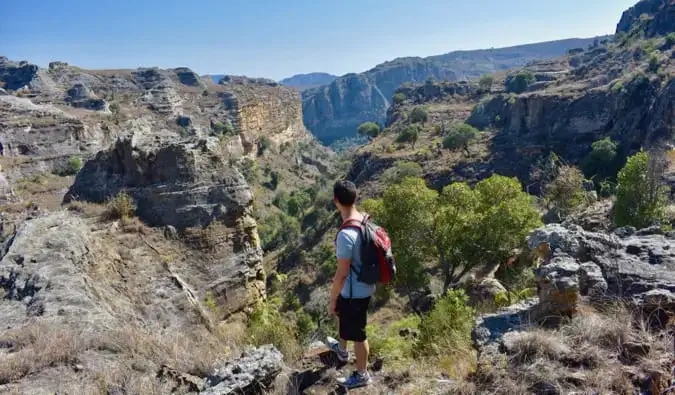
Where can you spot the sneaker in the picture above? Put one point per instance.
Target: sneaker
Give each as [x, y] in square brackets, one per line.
[356, 380]
[342, 355]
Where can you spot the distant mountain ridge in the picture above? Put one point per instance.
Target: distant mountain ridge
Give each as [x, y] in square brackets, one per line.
[334, 111]
[308, 81]
[299, 81]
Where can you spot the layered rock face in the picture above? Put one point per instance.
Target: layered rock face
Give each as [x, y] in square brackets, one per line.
[83, 111]
[263, 109]
[334, 111]
[659, 17]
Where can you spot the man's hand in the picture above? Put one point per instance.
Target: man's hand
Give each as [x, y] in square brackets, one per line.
[332, 308]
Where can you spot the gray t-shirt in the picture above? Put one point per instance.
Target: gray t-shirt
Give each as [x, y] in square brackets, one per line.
[349, 247]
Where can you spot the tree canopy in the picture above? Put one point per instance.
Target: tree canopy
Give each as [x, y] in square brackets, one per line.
[369, 129]
[641, 197]
[458, 229]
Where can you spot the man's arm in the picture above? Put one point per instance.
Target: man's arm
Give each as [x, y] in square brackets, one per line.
[343, 253]
[339, 280]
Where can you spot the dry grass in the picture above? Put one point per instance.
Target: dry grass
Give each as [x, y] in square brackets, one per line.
[35, 347]
[120, 207]
[587, 352]
[87, 209]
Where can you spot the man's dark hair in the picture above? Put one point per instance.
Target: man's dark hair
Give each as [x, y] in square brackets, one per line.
[345, 192]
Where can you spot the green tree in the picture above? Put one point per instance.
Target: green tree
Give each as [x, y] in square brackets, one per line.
[275, 178]
[410, 135]
[419, 115]
[565, 191]
[399, 98]
[264, 144]
[297, 204]
[400, 171]
[641, 197]
[459, 229]
[369, 129]
[460, 137]
[485, 83]
[654, 61]
[520, 82]
[223, 129]
[603, 159]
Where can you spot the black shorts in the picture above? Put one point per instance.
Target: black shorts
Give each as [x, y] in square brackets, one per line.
[353, 317]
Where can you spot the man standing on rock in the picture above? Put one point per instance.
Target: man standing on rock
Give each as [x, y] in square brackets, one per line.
[349, 297]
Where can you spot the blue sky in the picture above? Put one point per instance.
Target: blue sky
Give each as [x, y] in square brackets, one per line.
[279, 38]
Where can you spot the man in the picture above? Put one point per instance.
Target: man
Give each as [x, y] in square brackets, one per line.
[349, 297]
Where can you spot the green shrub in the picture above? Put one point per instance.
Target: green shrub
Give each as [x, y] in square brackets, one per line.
[401, 170]
[264, 144]
[566, 191]
[617, 87]
[267, 326]
[654, 62]
[409, 135]
[447, 328]
[399, 98]
[278, 229]
[250, 170]
[120, 207]
[369, 129]
[485, 83]
[511, 100]
[298, 203]
[460, 137]
[210, 303]
[388, 344]
[223, 129]
[520, 82]
[275, 178]
[419, 115]
[641, 198]
[73, 166]
[670, 40]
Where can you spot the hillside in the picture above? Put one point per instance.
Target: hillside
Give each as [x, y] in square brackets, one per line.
[308, 81]
[129, 202]
[334, 111]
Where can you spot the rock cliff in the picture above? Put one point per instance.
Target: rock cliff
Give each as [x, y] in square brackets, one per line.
[84, 111]
[654, 17]
[334, 111]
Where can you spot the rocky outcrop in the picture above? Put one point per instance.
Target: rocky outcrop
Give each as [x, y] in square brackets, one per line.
[250, 374]
[600, 265]
[179, 184]
[654, 17]
[334, 111]
[568, 123]
[81, 96]
[42, 274]
[263, 109]
[15, 75]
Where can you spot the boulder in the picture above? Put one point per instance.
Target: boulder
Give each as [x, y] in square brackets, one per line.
[82, 97]
[250, 374]
[15, 76]
[558, 287]
[188, 77]
[484, 291]
[591, 280]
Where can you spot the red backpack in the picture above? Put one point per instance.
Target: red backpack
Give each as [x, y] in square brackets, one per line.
[377, 260]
